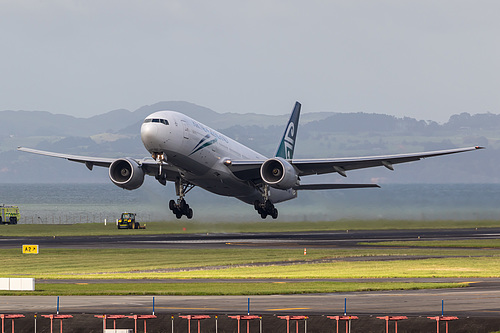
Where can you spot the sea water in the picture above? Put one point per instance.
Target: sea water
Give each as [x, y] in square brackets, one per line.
[80, 203]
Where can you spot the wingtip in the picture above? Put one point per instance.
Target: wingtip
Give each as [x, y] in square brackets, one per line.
[480, 147]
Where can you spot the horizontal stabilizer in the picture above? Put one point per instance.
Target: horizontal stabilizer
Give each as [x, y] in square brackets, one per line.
[331, 186]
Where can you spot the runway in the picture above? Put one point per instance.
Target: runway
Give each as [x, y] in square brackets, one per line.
[345, 238]
[482, 298]
[473, 302]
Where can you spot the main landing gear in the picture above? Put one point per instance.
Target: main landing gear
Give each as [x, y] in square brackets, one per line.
[180, 207]
[265, 208]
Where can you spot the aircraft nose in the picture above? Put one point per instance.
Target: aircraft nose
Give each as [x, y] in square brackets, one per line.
[149, 136]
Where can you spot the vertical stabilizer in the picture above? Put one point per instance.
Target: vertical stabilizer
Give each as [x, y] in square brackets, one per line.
[287, 144]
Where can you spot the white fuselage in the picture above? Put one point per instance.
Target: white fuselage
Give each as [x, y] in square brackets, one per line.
[199, 152]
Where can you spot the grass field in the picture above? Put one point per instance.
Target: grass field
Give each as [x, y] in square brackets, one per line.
[98, 229]
[242, 263]
[235, 263]
[415, 259]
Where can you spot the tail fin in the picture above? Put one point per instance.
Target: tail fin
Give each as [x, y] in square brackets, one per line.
[287, 144]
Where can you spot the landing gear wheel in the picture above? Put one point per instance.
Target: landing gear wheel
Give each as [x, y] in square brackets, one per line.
[171, 205]
[183, 206]
[180, 207]
[189, 214]
[265, 209]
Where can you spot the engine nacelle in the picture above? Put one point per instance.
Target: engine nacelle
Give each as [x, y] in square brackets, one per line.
[126, 173]
[278, 173]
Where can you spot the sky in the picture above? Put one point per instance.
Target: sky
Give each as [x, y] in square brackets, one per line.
[422, 59]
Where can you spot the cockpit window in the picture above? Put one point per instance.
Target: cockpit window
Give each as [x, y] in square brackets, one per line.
[156, 120]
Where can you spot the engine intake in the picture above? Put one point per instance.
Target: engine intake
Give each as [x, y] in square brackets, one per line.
[278, 173]
[126, 173]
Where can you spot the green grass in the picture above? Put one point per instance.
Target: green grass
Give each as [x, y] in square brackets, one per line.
[237, 263]
[98, 229]
[145, 263]
[222, 288]
[426, 268]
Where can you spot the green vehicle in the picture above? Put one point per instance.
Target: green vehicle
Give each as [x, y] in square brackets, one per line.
[127, 221]
[9, 214]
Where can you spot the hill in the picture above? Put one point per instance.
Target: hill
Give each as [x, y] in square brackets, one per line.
[321, 134]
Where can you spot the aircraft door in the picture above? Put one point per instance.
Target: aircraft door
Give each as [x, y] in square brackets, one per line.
[185, 129]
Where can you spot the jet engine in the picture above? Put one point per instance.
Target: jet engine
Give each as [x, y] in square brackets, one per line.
[126, 173]
[278, 173]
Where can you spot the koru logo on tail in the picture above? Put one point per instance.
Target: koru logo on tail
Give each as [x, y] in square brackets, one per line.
[289, 141]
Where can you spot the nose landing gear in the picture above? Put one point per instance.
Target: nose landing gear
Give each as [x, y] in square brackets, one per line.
[161, 177]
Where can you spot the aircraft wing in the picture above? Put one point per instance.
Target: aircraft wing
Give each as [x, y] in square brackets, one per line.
[331, 186]
[87, 160]
[150, 166]
[250, 170]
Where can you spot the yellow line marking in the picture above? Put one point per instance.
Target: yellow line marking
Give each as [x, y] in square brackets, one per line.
[171, 307]
[288, 309]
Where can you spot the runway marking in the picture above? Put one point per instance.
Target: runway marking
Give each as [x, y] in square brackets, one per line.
[288, 309]
[177, 308]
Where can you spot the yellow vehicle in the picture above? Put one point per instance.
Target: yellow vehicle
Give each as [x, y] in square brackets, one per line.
[9, 214]
[127, 221]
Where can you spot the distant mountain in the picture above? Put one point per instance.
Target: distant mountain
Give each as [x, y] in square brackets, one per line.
[321, 134]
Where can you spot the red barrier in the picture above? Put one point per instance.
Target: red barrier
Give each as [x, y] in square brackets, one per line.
[340, 318]
[135, 317]
[12, 317]
[443, 318]
[57, 316]
[194, 317]
[244, 317]
[296, 318]
[392, 318]
[105, 317]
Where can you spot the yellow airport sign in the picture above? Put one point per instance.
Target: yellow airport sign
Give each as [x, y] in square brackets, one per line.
[30, 249]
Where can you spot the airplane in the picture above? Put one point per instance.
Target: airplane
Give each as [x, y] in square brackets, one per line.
[189, 153]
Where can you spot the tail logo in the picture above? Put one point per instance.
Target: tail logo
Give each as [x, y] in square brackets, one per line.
[289, 141]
